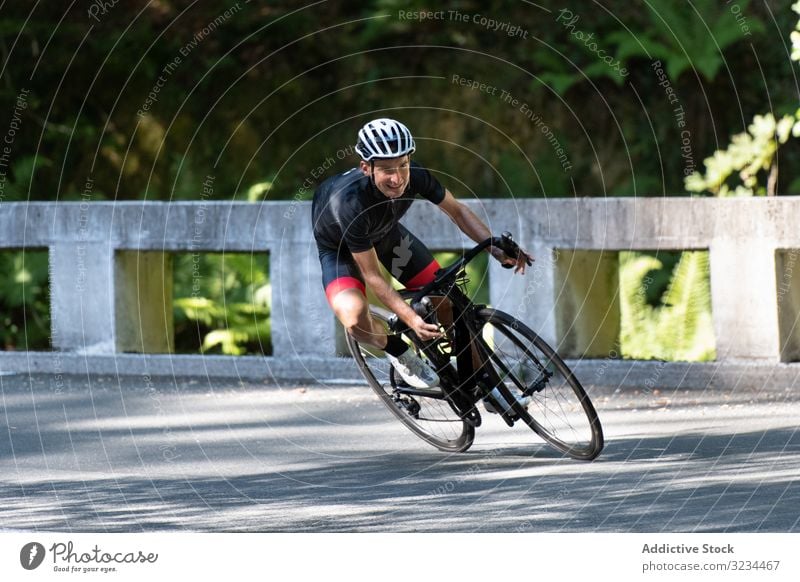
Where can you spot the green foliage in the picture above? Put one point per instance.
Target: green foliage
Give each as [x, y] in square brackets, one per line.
[685, 36]
[680, 326]
[17, 183]
[751, 154]
[222, 303]
[259, 191]
[274, 91]
[24, 301]
[251, 102]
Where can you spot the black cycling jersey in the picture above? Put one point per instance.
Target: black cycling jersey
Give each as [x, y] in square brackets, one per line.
[349, 208]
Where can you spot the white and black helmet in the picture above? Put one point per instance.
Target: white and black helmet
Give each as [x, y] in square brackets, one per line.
[384, 138]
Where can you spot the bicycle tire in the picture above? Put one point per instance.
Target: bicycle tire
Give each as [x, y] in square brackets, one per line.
[560, 411]
[435, 422]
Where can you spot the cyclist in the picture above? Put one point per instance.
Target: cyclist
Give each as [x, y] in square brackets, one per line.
[356, 217]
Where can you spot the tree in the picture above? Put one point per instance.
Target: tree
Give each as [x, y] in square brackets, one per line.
[751, 154]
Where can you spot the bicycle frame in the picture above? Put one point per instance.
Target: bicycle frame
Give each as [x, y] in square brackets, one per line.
[463, 385]
[485, 354]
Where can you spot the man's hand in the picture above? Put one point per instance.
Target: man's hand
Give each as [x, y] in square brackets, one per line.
[425, 331]
[474, 228]
[519, 263]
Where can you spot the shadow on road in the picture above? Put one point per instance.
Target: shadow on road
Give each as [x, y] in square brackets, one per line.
[243, 460]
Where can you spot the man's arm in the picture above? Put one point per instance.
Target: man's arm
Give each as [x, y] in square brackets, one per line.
[474, 228]
[465, 219]
[367, 262]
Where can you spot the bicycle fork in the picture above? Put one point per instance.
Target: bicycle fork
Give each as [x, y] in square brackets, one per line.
[487, 378]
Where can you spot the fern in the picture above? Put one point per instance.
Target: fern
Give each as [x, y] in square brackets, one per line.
[681, 327]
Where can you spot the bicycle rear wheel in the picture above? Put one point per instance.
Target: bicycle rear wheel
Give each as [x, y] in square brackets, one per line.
[560, 410]
[427, 413]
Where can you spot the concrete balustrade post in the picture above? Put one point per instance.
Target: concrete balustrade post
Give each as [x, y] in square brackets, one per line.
[143, 302]
[81, 291]
[542, 300]
[528, 298]
[744, 299]
[302, 322]
[788, 293]
[587, 303]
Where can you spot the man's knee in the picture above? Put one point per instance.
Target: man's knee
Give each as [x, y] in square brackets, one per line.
[351, 309]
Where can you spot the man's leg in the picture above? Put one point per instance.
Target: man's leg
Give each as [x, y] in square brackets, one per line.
[346, 295]
[352, 310]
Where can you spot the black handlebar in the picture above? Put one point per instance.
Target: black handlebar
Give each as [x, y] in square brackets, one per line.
[503, 242]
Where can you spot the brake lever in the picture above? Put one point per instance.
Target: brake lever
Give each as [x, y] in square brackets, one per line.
[515, 253]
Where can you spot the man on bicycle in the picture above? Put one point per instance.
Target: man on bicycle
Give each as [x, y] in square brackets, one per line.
[356, 217]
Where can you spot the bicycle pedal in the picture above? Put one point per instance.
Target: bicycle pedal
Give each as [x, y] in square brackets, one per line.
[473, 417]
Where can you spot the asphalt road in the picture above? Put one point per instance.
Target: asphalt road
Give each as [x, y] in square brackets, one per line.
[146, 454]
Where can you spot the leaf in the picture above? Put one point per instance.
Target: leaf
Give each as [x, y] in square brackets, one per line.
[201, 309]
[681, 328]
[560, 82]
[260, 191]
[601, 69]
[262, 296]
[685, 37]
[227, 339]
[630, 45]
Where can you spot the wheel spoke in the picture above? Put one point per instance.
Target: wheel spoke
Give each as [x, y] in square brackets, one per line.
[432, 418]
[558, 410]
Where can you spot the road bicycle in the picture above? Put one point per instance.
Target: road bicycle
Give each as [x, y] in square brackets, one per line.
[482, 349]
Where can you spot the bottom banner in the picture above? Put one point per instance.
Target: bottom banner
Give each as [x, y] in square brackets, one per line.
[159, 556]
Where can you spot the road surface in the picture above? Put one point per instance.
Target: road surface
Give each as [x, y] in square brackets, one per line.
[133, 454]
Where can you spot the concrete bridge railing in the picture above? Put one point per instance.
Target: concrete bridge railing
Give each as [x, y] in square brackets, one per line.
[111, 274]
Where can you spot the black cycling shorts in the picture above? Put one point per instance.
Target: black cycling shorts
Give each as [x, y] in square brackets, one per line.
[402, 254]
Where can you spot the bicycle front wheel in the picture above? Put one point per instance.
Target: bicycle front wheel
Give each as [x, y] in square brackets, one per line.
[559, 411]
[427, 413]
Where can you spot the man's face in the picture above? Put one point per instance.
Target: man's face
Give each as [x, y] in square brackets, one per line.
[391, 176]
